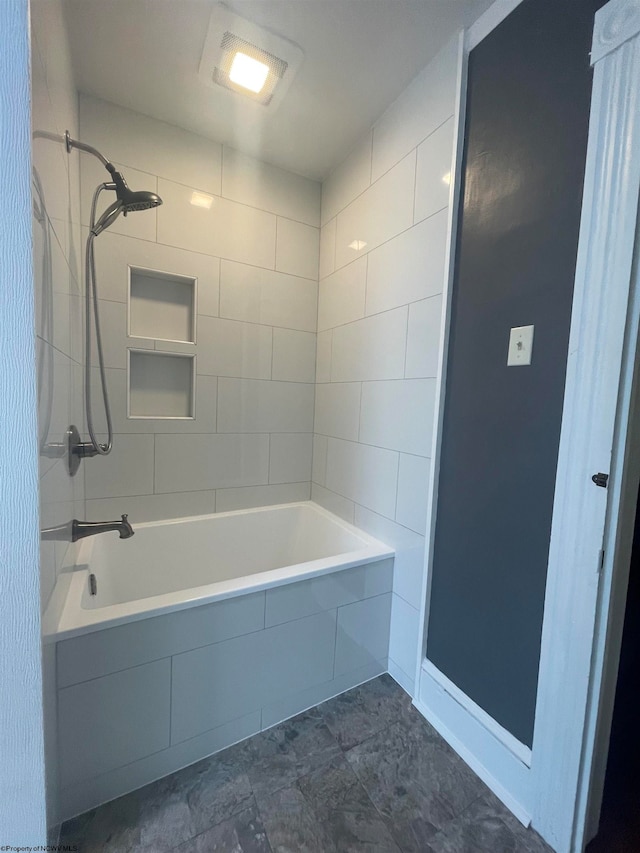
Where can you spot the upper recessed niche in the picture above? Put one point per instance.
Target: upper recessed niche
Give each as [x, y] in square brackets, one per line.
[161, 306]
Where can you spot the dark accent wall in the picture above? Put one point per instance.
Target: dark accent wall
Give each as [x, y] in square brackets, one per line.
[529, 90]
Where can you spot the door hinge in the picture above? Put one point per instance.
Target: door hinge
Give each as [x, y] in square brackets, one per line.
[601, 561]
[601, 480]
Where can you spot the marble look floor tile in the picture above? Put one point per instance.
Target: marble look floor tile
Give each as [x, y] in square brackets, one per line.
[243, 833]
[291, 824]
[527, 839]
[109, 828]
[218, 790]
[281, 755]
[342, 806]
[415, 780]
[364, 711]
[478, 829]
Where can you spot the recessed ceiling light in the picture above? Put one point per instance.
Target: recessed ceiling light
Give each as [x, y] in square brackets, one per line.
[357, 245]
[201, 200]
[248, 72]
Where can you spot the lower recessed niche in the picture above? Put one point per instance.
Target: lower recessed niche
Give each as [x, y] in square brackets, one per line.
[161, 385]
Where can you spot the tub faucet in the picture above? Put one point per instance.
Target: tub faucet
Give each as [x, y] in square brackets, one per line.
[80, 529]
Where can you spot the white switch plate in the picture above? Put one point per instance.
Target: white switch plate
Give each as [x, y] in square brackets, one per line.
[520, 346]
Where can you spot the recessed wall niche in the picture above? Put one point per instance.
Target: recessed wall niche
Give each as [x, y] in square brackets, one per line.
[162, 306]
[161, 385]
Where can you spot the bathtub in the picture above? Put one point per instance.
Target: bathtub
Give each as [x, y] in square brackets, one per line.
[203, 631]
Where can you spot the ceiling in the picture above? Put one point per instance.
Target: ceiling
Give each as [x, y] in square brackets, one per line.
[358, 56]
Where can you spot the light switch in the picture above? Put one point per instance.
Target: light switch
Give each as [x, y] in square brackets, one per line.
[520, 346]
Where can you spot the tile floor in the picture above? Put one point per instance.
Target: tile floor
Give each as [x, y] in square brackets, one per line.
[361, 772]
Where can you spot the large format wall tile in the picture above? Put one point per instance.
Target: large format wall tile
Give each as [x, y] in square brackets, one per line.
[268, 297]
[341, 296]
[369, 349]
[409, 267]
[227, 229]
[363, 633]
[381, 212]
[367, 475]
[247, 405]
[210, 461]
[110, 721]
[398, 415]
[259, 184]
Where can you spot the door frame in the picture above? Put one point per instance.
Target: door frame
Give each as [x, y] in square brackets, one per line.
[586, 582]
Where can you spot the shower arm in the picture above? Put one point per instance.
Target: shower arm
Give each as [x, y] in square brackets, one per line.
[82, 146]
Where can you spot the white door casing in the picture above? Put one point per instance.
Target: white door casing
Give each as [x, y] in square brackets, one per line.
[596, 400]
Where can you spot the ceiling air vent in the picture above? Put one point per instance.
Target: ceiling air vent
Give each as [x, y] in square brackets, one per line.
[245, 59]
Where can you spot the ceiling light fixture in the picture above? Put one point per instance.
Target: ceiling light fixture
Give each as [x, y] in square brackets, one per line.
[248, 72]
[242, 57]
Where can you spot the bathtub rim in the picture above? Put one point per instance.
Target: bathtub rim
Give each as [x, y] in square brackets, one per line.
[60, 620]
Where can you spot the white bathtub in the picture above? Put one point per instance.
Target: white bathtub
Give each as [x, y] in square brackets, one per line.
[203, 632]
[171, 565]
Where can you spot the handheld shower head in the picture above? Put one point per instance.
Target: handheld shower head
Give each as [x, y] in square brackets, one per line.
[127, 201]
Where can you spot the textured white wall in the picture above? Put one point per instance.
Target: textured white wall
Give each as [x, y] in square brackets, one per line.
[59, 306]
[255, 255]
[382, 273]
[22, 789]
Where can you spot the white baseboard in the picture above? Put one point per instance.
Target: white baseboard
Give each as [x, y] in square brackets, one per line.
[499, 768]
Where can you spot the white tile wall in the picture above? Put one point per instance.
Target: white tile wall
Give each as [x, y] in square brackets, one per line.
[398, 415]
[424, 105]
[297, 248]
[381, 212]
[209, 461]
[223, 230]
[327, 262]
[366, 475]
[294, 356]
[125, 136]
[409, 267]
[423, 338]
[127, 470]
[403, 639]
[290, 457]
[373, 348]
[382, 273]
[230, 348]
[433, 172]
[248, 405]
[338, 409]
[367, 620]
[411, 507]
[246, 497]
[255, 255]
[250, 181]
[263, 296]
[129, 709]
[348, 180]
[341, 296]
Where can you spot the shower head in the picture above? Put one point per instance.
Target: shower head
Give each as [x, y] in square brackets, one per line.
[127, 201]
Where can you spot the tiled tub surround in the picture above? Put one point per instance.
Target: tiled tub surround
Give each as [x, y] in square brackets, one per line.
[150, 685]
[254, 255]
[385, 214]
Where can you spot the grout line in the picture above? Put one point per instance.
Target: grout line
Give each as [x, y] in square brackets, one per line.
[219, 284]
[395, 509]
[170, 699]
[406, 343]
[415, 183]
[269, 483]
[335, 646]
